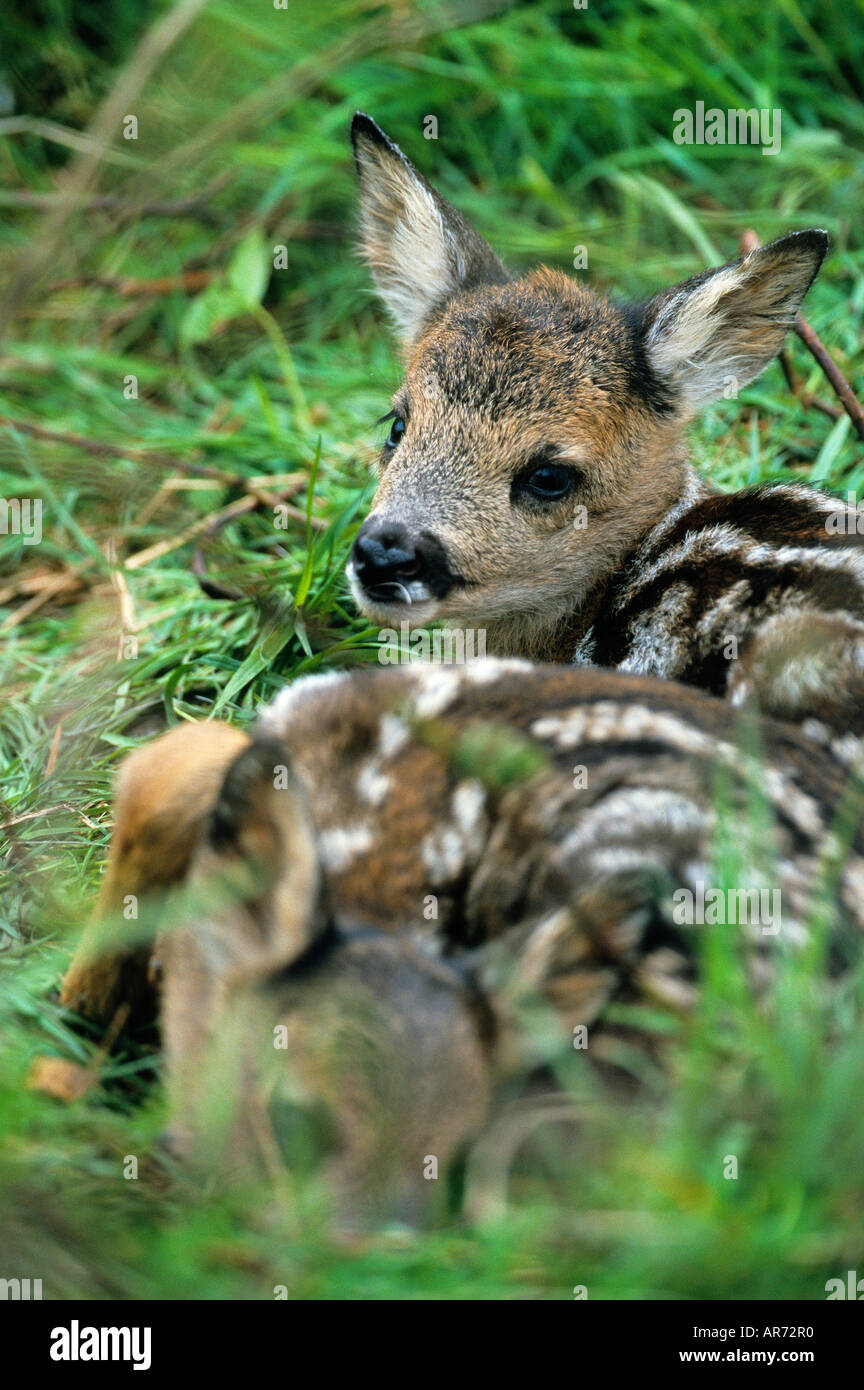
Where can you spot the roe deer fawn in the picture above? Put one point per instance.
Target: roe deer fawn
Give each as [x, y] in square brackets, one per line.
[395, 861]
[535, 481]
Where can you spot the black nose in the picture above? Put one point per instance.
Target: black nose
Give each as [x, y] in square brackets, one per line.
[386, 556]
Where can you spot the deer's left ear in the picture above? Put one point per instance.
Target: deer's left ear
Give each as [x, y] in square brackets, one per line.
[420, 249]
[721, 328]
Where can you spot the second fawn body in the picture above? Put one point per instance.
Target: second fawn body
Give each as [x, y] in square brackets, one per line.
[397, 869]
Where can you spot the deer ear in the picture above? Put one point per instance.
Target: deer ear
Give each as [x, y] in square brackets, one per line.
[257, 871]
[720, 329]
[420, 249]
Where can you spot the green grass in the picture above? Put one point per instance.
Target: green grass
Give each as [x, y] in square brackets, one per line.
[554, 131]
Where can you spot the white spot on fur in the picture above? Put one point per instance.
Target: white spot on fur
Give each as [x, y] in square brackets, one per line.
[438, 687]
[372, 784]
[443, 853]
[468, 801]
[486, 670]
[339, 846]
[394, 735]
[277, 716]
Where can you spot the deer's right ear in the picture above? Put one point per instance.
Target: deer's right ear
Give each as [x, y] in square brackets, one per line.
[420, 249]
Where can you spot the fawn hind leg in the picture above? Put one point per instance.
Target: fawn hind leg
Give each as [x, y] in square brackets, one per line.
[165, 791]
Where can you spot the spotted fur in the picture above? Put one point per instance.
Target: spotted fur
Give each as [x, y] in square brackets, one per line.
[395, 938]
[760, 593]
[489, 855]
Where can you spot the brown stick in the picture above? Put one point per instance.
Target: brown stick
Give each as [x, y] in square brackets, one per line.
[171, 543]
[35, 583]
[39, 599]
[48, 811]
[102, 449]
[750, 242]
[256, 490]
[834, 412]
[807, 398]
[788, 370]
[847, 396]
[211, 587]
[119, 207]
[255, 499]
[51, 762]
[189, 281]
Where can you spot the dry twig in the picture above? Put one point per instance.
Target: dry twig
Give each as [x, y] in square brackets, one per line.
[750, 242]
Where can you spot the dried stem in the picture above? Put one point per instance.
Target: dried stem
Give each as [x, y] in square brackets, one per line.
[750, 242]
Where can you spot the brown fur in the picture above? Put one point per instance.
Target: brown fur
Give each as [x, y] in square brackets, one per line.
[165, 804]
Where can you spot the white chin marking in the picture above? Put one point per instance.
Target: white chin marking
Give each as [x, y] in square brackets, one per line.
[412, 592]
[409, 601]
[403, 595]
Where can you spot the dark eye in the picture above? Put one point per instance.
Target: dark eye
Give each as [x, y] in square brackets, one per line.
[397, 429]
[545, 482]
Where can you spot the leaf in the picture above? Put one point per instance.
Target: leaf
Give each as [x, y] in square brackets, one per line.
[249, 268]
[309, 564]
[271, 642]
[214, 305]
[653, 194]
[830, 449]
